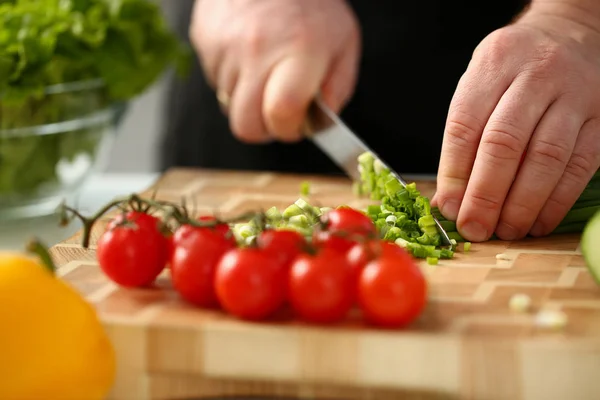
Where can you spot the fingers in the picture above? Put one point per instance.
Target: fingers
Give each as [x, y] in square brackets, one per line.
[245, 114]
[477, 93]
[547, 155]
[339, 85]
[504, 140]
[582, 165]
[226, 82]
[292, 84]
[205, 36]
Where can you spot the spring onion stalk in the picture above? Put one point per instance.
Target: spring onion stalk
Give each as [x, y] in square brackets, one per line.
[403, 216]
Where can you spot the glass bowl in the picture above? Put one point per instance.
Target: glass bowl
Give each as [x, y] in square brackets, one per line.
[51, 143]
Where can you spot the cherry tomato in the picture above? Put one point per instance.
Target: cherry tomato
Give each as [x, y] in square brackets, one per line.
[392, 291]
[349, 221]
[321, 286]
[250, 283]
[136, 218]
[132, 252]
[361, 253]
[222, 228]
[325, 239]
[194, 262]
[284, 244]
[342, 228]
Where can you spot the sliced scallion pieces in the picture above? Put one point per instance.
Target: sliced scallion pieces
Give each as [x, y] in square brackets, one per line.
[403, 216]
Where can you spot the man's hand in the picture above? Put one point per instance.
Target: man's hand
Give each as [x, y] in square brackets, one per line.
[270, 58]
[531, 94]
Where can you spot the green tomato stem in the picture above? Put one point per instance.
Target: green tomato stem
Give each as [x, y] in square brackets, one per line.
[36, 247]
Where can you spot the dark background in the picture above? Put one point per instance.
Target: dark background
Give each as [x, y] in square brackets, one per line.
[413, 56]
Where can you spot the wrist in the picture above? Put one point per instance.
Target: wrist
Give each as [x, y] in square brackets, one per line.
[578, 19]
[583, 12]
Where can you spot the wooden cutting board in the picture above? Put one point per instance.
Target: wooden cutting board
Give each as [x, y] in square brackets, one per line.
[468, 344]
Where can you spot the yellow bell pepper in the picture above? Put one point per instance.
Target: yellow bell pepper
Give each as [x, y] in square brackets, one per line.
[52, 344]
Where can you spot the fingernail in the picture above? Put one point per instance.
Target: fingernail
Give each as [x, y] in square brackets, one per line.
[449, 209]
[506, 232]
[537, 229]
[474, 232]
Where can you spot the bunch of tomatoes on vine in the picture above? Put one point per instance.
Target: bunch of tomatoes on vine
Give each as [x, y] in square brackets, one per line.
[344, 265]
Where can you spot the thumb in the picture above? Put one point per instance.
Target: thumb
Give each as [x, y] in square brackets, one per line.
[293, 84]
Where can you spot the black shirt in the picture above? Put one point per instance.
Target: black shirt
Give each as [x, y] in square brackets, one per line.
[413, 55]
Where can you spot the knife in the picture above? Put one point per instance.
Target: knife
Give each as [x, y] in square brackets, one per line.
[330, 134]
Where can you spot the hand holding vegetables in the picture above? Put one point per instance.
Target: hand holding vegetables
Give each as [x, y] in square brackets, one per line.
[530, 94]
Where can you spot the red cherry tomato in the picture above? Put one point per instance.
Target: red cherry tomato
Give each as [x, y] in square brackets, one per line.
[132, 252]
[342, 228]
[222, 228]
[330, 240]
[250, 283]
[137, 219]
[194, 262]
[392, 291]
[349, 221]
[284, 244]
[362, 253]
[321, 286]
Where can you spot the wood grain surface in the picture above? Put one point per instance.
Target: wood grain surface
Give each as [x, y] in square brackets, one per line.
[468, 344]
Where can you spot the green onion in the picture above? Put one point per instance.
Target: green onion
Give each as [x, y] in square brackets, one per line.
[432, 260]
[305, 188]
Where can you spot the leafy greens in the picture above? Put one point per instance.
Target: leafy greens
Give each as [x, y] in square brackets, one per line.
[125, 45]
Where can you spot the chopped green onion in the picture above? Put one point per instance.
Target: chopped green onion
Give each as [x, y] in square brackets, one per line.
[300, 221]
[305, 188]
[291, 211]
[432, 260]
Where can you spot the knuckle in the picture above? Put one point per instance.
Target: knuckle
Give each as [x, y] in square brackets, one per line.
[546, 62]
[503, 141]
[254, 39]
[247, 129]
[549, 154]
[552, 56]
[580, 167]
[518, 212]
[485, 201]
[495, 47]
[462, 129]
[558, 203]
[301, 37]
[284, 107]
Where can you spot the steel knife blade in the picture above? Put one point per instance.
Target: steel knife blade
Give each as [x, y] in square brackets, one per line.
[330, 134]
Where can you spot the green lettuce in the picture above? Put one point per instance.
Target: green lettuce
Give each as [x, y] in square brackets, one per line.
[123, 45]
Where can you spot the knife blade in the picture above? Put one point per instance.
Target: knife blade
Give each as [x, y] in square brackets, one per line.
[330, 134]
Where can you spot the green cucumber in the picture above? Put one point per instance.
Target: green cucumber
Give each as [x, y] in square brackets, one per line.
[590, 246]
